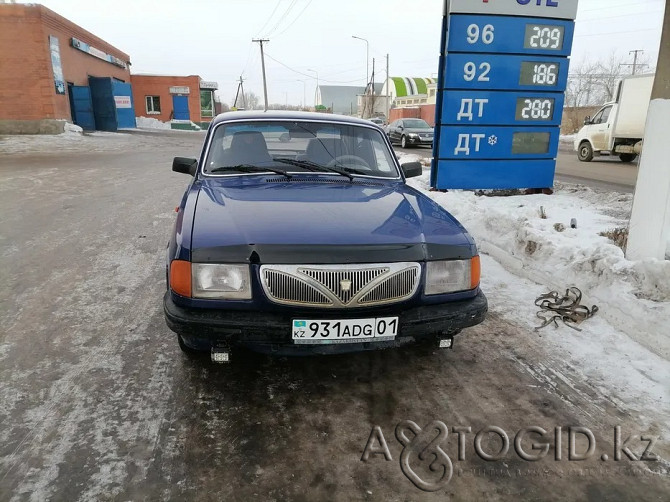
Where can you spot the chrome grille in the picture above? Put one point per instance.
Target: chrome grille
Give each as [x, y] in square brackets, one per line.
[285, 287]
[340, 286]
[334, 279]
[396, 287]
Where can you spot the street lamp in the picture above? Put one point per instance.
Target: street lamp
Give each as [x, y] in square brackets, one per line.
[304, 91]
[317, 85]
[367, 59]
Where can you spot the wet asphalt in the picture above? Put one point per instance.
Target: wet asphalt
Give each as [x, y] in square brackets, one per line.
[98, 402]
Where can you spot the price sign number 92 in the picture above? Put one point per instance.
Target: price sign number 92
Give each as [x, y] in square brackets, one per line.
[470, 72]
[475, 33]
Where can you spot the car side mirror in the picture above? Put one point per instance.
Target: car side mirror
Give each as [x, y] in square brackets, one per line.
[185, 165]
[587, 120]
[412, 169]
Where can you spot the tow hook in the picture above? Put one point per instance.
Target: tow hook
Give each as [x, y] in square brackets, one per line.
[221, 354]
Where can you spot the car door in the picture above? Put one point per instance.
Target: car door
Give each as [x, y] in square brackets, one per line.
[389, 130]
[395, 131]
[601, 130]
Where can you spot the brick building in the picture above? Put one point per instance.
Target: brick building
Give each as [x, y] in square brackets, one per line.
[47, 63]
[174, 99]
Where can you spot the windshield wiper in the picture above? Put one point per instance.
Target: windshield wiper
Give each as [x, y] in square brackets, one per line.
[313, 166]
[249, 168]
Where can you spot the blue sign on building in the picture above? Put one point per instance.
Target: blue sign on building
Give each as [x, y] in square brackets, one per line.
[503, 73]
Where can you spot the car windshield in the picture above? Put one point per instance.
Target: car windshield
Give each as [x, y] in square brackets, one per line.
[299, 146]
[417, 124]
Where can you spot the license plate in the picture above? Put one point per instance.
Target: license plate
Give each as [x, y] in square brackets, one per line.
[311, 331]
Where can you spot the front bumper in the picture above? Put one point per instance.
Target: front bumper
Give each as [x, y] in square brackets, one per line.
[270, 332]
[412, 140]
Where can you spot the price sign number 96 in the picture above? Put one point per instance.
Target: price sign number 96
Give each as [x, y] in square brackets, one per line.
[475, 33]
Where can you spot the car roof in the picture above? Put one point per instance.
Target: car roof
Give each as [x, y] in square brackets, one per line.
[287, 115]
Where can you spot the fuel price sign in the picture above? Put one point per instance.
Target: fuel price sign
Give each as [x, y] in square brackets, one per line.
[503, 73]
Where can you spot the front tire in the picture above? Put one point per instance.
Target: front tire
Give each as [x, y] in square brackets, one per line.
[627, 157]
[403, 142]
[585, 152]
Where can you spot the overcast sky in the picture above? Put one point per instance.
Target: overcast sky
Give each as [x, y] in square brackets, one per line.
[212, 38]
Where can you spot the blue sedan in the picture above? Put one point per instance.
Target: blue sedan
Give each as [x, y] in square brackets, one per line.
[298, 235]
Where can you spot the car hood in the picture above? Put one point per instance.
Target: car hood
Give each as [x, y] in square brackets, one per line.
[321, 219]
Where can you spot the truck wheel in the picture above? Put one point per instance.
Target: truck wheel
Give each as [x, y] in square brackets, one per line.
[627, 157]
[403, 142]
[585, 152]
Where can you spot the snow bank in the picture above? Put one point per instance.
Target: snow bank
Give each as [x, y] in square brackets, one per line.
[151, 123]
[632, 295]
[72, 129]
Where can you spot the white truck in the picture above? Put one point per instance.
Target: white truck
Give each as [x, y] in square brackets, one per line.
[618, 127]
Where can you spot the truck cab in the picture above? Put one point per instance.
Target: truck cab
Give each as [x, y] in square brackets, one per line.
[618, 127]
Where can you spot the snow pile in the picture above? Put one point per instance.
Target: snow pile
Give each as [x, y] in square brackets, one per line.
[568, 140]
[70, 128]
[151, 123]
[632, 295]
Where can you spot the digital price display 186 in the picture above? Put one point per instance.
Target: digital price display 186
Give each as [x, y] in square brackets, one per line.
[503, 73]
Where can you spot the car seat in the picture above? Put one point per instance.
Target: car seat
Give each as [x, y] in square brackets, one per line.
[247, 147]
[323, 150]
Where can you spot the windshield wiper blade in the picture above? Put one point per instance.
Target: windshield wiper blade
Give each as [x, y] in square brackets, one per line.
[313, 166]
[249, 168]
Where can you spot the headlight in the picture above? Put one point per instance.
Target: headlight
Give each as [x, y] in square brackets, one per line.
[230, 282]
[451, 276]
[413, 135]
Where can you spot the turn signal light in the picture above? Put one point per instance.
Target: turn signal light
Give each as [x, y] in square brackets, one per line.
[475, 271]
[180, 277]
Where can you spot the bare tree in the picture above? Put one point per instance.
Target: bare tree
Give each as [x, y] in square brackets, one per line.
[251, 101]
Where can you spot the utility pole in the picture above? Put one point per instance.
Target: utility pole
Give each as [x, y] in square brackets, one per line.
[634, 63]
[367, 59]
[265, 84]
[240, 87]
[649, 225]
[316, 89]
[388, 90]
[371, 97]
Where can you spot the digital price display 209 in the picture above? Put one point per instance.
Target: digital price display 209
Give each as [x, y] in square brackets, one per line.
[503, 73]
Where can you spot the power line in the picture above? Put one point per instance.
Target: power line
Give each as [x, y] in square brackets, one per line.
[294, 20]
[268, 19]
[610, 5]
[308, 75]
[282, 17]
[601, 18]
[244, 68]
[614, 32]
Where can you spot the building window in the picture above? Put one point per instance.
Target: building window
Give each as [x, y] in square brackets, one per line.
[206, 103]
[432, 92]
[153, 105]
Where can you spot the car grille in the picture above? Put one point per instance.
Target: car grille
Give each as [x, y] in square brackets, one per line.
[340, 286]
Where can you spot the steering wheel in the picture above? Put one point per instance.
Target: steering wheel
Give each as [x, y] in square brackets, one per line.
[349, 159]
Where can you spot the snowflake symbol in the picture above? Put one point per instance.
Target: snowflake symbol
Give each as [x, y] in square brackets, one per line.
[493, 140]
